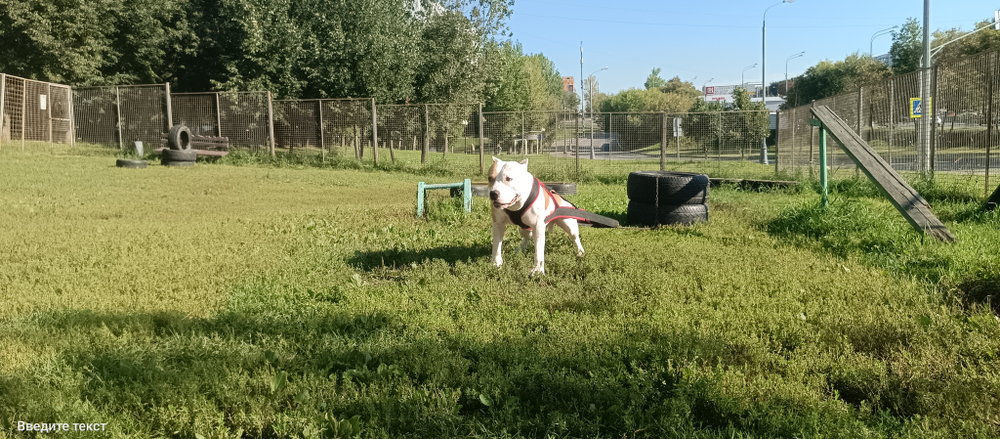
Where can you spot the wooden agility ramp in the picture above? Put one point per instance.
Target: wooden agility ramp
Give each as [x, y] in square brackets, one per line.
[907, 201]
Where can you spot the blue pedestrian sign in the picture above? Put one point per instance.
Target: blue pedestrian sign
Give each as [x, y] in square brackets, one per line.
[916, 108]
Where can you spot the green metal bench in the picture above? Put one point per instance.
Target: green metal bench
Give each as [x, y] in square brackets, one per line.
[465, 186]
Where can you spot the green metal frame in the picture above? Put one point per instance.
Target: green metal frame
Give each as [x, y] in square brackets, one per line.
[465, 186]
[822, 161]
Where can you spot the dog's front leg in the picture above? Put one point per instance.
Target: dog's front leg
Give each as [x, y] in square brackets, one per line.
[538, 232]
[498, 232]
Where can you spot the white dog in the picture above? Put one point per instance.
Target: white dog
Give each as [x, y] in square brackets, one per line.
[520, 199]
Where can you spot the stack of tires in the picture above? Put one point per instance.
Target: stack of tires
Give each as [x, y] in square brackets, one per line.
[179, 152]
[666, 198]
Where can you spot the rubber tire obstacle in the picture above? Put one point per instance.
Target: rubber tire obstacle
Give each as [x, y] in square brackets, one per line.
[667, 198]
[667, 187]
[179, 138]
[651, 214]
[174, 157]
[130, 163]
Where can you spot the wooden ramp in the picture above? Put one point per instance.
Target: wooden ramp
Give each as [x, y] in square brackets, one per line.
[909, 203]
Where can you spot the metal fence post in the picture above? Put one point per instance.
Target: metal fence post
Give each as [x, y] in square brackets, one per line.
[932, 115]
[482, 145]
[24, 108]
[118, 113]
[524, 144]
[3, 114]
[427, 134]
[48, 107]
[322, 138]
[576, 136]
[170, 107]
[663, 142]
[218, 115]
[270, 122]
[374, 133]
[990, 78]
[72, 118]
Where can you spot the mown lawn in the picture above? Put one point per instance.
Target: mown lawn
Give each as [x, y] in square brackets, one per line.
[270, 301]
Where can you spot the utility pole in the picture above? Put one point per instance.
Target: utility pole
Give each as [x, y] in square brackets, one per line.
[926, 110]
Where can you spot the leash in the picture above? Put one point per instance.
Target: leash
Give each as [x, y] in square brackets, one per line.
[573, 212]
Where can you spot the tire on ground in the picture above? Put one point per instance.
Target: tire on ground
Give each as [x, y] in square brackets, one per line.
[130, 163]
[176, 163]
[179, 138]
[173, 155]
[675, 188]
[681, 214]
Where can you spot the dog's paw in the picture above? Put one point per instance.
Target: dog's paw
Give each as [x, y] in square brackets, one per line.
[498, 262]
[538, 271]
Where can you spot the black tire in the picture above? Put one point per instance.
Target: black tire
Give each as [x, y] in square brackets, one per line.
[675, 188]
[176, 163]
[130, 163]
[179, 138]
[650, 215]
[172, 155]
[562, 188]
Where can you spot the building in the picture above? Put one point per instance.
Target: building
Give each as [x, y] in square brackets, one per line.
[569, 84]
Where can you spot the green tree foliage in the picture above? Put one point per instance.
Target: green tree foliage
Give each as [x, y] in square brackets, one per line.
[907, 47]
[654, 80]
[672, 96]
[392, 50]
[829, 78]
[93, 42]
[753, 123]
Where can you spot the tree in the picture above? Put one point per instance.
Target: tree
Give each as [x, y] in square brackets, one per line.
[829, 78]
[907, 47]
[654, 80]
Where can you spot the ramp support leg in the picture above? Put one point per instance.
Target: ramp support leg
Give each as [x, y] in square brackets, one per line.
[822, 162]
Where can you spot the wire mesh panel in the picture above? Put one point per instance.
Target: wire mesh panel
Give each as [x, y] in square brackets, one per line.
[452, 128]
[197, 111]
[347, 125]
[13, 109]
[405, 127]
[95, 113]
[36, 111]
[143, 113]
[119, 115]
[61, 114]
[297, 124]
[965, 108]
[245, 120]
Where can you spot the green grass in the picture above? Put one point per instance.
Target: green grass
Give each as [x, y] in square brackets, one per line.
[271, 298]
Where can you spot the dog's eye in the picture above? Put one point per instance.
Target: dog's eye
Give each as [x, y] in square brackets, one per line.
[509, 179]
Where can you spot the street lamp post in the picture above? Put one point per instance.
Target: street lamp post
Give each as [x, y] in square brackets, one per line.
[592, 87]
[871, 43]
[592, 81]
[763, 49]
[786, 68]
[743, 81]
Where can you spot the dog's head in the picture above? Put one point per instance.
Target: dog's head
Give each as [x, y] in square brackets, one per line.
[510, 182]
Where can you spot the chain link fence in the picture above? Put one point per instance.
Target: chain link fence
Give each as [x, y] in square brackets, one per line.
[963, 139]
[117, 116]
[457, 137]
[34, 111]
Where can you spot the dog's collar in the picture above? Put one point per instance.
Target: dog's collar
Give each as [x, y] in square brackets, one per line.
[515, 216]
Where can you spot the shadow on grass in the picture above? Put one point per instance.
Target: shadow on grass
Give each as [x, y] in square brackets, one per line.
[183, 377]
[403, 258]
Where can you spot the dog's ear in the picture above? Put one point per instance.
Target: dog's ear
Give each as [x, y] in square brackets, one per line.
[496, 160]
[524, 162]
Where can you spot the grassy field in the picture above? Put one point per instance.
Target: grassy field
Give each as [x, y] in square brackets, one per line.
[264, 299]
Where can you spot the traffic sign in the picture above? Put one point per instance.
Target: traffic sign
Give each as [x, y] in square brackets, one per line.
[916, 109]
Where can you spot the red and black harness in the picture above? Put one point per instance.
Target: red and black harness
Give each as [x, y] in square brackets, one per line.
[582, 216]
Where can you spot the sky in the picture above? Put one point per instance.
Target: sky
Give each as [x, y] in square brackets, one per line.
[712, 41]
